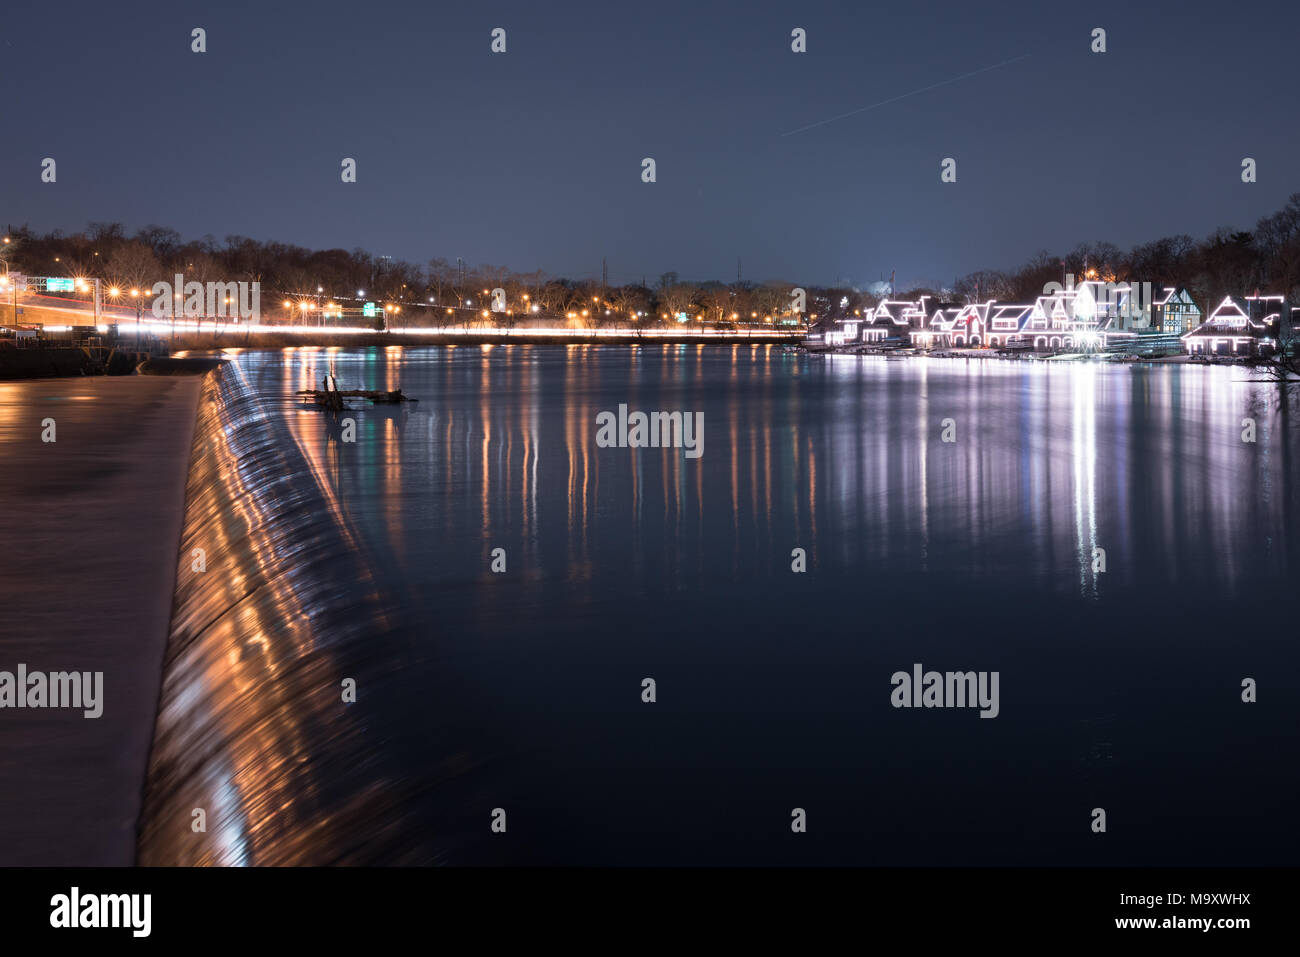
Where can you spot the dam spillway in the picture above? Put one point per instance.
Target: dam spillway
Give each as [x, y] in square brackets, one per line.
[275, 607]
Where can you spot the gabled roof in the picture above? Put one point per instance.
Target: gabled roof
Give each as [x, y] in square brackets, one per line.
[1230, 311]
[945, 317]
[1008, 317]
[974, 311]
[1178, 294]
[893, 310]
[1057, 305]
[1092, 298]
[1231, 315]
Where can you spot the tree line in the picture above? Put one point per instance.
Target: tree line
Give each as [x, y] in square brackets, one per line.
[426, 292]
[1226, 262]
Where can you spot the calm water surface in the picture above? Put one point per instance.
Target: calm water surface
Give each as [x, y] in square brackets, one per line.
[1119, 689]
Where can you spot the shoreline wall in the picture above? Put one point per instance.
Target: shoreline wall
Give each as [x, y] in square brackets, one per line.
[231, 338]
[94, 521]
[47, 363]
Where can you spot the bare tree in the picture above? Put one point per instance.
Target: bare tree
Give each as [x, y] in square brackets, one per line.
[679, 298]
[134, 265]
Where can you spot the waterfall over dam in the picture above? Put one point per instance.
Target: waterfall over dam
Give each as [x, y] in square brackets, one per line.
[275, 606]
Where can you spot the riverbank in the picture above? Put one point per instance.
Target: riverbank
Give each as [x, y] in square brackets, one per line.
[109, 355]
[47, 363]
[1022, 355]
[89, 572]
[230, 337]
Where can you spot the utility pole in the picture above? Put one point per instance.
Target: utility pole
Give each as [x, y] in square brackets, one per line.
[604, 277]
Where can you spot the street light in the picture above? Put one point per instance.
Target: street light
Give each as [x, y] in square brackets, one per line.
[175, 307]
[114, 293]
[139, 305]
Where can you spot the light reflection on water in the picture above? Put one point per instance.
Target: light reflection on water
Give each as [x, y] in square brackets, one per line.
[1056, 459]
[977, 553]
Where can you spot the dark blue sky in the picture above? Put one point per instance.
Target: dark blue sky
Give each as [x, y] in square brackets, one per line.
[531, 159]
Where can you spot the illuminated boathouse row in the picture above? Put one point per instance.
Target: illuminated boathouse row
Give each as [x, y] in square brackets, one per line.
[1092, 316]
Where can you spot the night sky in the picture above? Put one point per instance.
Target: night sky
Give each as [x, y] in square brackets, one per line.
[532, 158]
